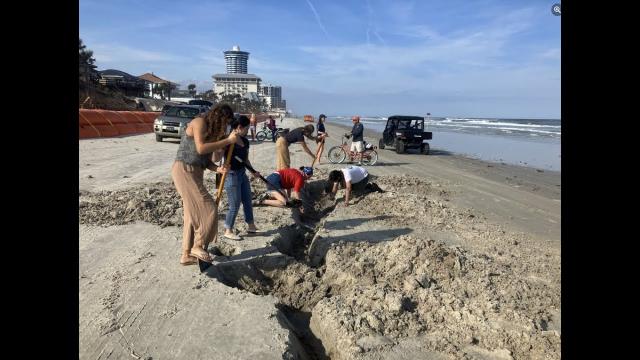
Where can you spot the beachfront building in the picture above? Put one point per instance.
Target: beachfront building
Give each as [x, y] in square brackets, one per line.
[230, 84]
[272, 95]
[236, 60]
[152, 80]
[238, 81]
[126, 83]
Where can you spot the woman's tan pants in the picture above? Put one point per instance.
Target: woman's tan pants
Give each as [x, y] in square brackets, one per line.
[282, 154]
[200, 213]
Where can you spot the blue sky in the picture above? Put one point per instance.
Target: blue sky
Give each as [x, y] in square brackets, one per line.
[451, 58]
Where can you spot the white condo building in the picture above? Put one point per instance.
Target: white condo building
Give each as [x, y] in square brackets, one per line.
[238, 81]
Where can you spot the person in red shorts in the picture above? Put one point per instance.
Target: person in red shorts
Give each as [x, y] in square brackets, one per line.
[289, 181]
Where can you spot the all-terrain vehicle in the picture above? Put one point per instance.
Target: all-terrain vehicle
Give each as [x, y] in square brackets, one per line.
[403, 132]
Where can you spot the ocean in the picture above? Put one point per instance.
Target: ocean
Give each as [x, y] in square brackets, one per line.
[527, 142]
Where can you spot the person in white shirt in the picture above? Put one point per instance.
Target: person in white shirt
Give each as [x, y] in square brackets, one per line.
[352, 179]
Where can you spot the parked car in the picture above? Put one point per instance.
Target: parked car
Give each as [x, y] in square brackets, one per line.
[173, 122]
[201, 102]
[404, 132]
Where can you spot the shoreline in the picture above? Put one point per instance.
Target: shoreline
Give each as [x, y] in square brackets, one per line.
[375, 134]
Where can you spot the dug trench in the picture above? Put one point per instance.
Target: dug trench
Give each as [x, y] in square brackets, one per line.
[354, 287]
[358, 299]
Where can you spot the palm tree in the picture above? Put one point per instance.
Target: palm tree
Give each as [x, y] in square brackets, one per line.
[160, 89]
[192, 89]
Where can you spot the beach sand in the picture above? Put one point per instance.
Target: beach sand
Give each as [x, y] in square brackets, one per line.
[460, 258]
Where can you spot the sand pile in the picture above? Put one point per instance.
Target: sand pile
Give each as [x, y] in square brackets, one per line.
[365, 297]
[368, 296]
[158, 204]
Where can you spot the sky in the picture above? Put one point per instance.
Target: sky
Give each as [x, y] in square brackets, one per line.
[465, 58]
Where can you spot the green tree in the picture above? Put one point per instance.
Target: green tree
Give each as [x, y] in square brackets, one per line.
[86, 55]
[86, 63]
[192, 89]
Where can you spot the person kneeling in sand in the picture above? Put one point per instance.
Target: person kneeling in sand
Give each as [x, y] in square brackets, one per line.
[354, 179]
[291, 180]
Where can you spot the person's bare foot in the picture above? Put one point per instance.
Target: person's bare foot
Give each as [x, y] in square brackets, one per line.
[201, 254]
[188, 260]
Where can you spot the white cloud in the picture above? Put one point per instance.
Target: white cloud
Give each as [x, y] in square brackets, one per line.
[110, 53]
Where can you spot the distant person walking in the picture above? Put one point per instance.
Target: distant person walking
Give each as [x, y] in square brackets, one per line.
[322, 133]
[295, 136]
[253, 122]
[203, 136]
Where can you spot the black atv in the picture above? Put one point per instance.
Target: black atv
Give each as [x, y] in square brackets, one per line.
[403, 132]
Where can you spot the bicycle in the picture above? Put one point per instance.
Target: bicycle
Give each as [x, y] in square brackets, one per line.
[338, 154]
[266, 133]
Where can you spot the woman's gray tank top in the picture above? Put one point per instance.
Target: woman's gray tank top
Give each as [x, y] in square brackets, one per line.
[188, 154]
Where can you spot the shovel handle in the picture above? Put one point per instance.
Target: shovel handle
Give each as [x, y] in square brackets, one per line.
[224, 175]
[317, 152]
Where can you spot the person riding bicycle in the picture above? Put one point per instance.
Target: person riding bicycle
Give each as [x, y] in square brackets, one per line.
[271, 125]
[357, 132]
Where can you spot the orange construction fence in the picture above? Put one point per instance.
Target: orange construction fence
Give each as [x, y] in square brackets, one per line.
[106, 123]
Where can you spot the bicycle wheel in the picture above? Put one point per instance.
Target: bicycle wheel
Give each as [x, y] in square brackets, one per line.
[370, 157]
[336, 155]
[261, 136]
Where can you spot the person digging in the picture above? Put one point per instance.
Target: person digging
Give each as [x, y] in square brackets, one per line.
[354, 179]
[284, 186]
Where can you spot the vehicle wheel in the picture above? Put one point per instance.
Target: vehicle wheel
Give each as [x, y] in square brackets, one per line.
[425, 148]
[381, 144]
[158, 138]
[370, 157]
[399, 147]
[336, 155]
[261, 136]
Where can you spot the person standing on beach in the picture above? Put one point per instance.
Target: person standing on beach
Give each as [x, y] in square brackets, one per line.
[236, 182]
[203, 136]
[358, 136]
[354, 179]
[253, 122]
[320, 138]
[283, 160]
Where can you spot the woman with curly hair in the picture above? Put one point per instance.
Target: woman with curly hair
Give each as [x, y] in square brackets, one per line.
[203, 136]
